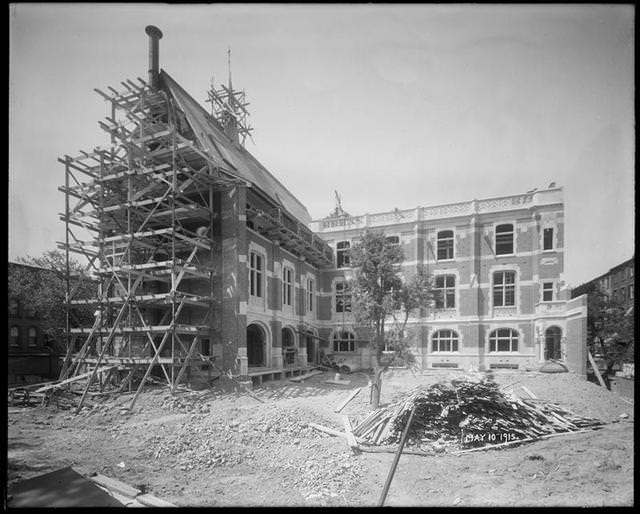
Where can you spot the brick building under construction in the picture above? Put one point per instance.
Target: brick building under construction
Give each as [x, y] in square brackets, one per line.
[208, 264]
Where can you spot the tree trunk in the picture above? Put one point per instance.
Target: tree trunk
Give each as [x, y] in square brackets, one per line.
[376, 386]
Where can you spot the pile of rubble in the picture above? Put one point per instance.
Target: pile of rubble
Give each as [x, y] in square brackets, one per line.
[467, 412]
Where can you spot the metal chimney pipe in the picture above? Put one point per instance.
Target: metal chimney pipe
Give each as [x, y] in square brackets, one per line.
[155, 34]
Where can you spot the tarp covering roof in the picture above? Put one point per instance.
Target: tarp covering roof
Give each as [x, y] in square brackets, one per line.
[231, 156]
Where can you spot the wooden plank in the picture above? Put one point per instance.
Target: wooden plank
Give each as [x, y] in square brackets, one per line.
[380, 430]
[351, 440]
[327, 430]
[526, 390]
[151, 501]
[375, 426]
[385, 432]
[338, 382]
[366, 422]
[344, 403]
[72, 379]
[374, 449]
[595, 369]
[301, 378]
[115, 485]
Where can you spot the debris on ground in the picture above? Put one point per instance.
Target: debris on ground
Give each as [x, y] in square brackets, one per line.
[468, 412]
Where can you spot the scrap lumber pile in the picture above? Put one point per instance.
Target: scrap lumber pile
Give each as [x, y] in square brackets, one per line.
[24, 396]
[468, 413]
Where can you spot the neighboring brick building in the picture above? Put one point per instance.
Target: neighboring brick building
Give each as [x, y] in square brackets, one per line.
[617, 283]
[29, 351]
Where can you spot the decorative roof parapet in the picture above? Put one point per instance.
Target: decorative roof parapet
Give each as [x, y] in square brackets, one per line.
[468, 208]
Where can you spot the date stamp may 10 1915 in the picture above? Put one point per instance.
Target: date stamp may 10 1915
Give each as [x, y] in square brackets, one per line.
[489, 437]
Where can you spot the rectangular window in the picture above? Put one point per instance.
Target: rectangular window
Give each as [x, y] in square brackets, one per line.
[392, 240]
[504, 239]
[205, 347]
[445, 245]
[503, 340]
[630, 292]
[343, 259]
[547, 239]
[445, 291]
[504, 288]
[310, 293]
[343, 297]
[287, 286]
[14, 336]
[32, 336]
[255, 274]
[547, 291]
[623, 293]
[445, 341]
[13, 307]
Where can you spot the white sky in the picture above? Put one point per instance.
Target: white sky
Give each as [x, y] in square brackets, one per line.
[392, 105]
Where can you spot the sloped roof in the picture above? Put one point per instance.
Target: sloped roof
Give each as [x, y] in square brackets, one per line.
[231, 156]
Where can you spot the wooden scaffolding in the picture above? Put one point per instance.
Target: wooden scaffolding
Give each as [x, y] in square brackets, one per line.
[142, 211]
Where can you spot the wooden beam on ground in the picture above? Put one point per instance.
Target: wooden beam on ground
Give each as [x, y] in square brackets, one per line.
[344, 403]
[115, 485]
[327, 430]
[595, 369]
[151, 501]
[338, 382]
[302, 378]
[351, 440]
[72, 379]
[376, 449]
[526, 390]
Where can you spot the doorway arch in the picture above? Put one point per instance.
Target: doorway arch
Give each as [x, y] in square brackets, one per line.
[552, 343]
[311, 342]
[256, 346]
[288, 346]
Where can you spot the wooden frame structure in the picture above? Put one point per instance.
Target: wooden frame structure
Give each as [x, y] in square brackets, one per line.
[147, 203]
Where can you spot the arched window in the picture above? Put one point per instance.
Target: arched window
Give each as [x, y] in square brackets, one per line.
[344, 341]
[504, 239]
[445, 245]
[445, 341]
[503, 340]
[32, 336]
[14, 336]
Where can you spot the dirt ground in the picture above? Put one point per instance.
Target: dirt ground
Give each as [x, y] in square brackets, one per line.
[219, 448]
